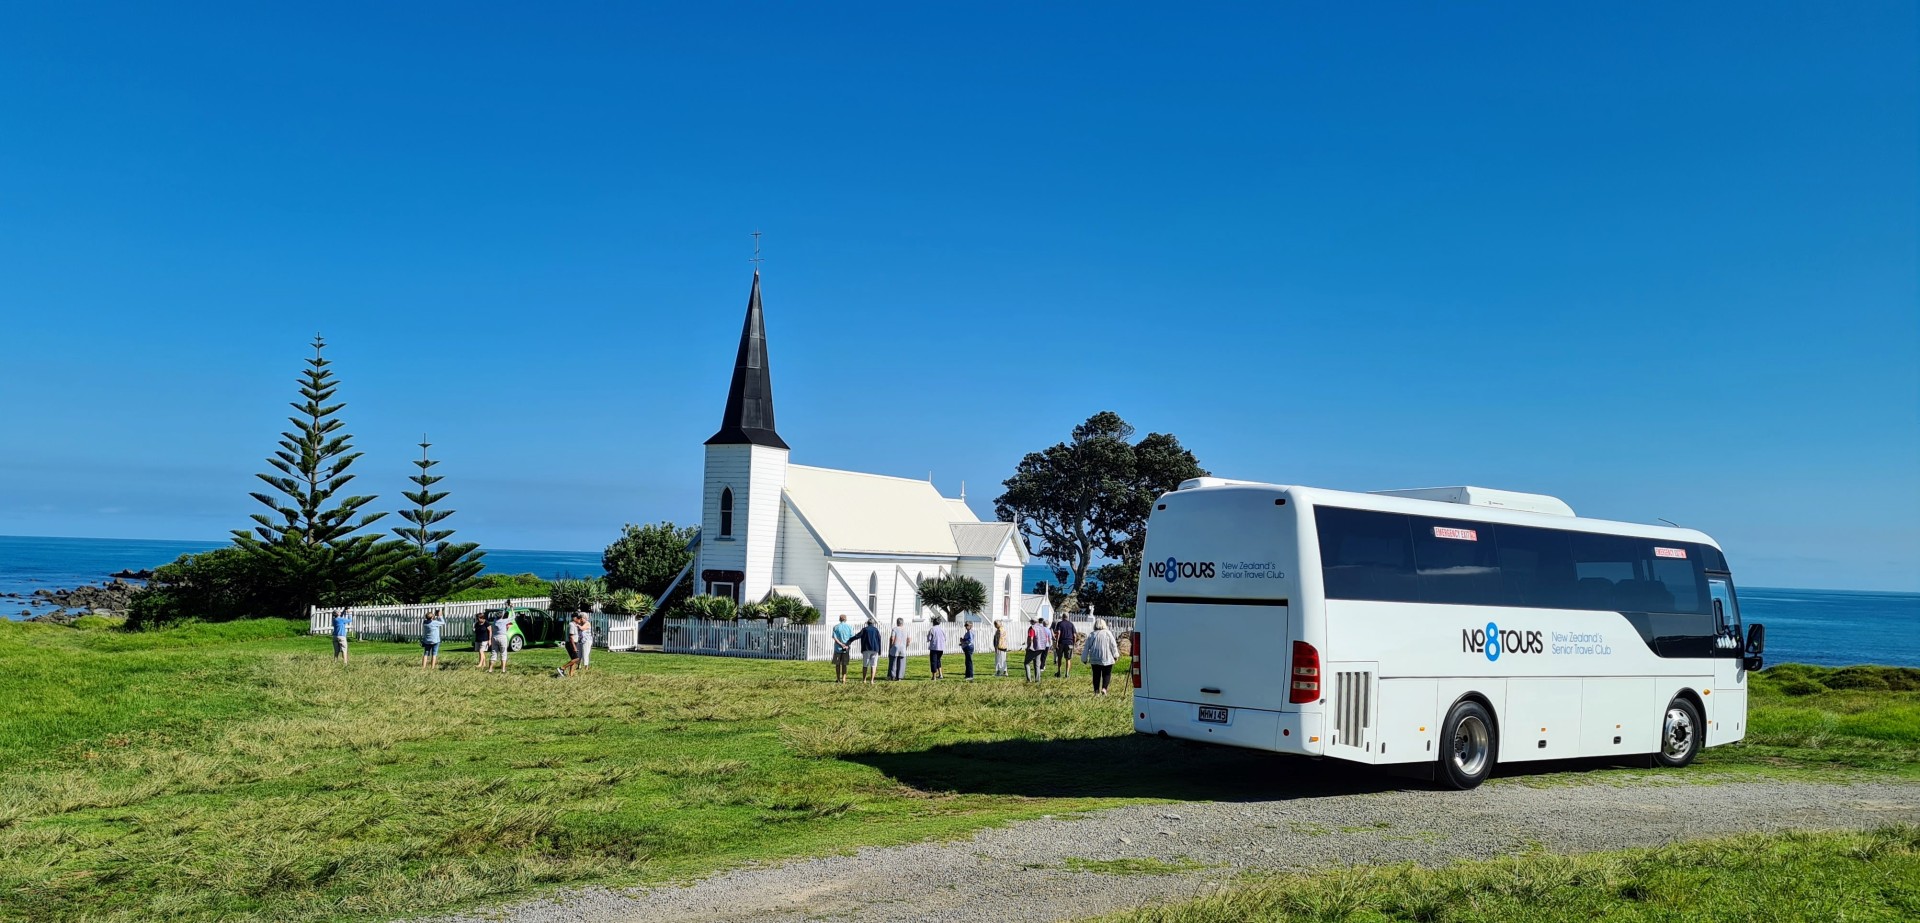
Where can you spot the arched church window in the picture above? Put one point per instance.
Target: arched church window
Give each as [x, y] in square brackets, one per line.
[726, 512]
[873, 593]
[1006, 598]
[917, 578]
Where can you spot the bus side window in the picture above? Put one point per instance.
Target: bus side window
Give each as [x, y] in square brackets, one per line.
[1366, 555]
[1457, 561]
[1536, 566]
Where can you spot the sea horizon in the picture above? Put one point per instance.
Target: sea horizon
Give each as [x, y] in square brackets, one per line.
[1829, 627]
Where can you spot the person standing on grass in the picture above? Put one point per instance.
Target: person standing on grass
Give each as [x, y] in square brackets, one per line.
[869, 651]
[966, 646]
[342, 623]
[1103, 651]
[897, 651]
[502, 628]
[1064, 634]
[842, 649]
[1000, 647]
[430, 639]
[573, 645]
[1043, 638]
[586, 640]
[482, 638]
[936, 646]
[1032, 649]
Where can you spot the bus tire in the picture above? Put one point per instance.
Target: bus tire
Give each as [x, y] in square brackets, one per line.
[1680, 732]
[1468, 742]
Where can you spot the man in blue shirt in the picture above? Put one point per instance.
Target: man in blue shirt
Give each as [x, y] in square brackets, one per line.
[842, 649]
[342, 622]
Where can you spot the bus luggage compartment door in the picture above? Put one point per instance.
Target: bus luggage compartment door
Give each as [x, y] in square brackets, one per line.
[1221, 653]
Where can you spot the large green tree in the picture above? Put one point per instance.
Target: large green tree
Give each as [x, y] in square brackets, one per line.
[1088, 498]
[953, 595]
[429, 567]
[312, 539]
[647, 558]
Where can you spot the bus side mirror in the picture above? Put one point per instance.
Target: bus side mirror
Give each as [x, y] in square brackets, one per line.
[1756, 645]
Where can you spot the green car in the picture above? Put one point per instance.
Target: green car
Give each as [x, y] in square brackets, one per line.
[529, 626]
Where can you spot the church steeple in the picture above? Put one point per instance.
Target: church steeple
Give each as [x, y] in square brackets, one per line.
[749, 416]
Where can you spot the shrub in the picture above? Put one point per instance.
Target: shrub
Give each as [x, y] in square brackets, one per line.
[759, 611]
[647, 558]
[627, 602]
[1800, 685]
[98, 622]
[213, 586]
[716, 608]
[577, 595]
[793, 610]
[1858, 678]
[504, 586]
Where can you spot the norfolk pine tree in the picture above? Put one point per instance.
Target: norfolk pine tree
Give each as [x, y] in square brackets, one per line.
[308, 540]
[429, 568]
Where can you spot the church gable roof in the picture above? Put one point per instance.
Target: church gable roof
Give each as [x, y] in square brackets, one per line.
[984, 539]
[855, 513]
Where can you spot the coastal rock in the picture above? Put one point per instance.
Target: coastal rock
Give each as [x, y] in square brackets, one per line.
[112, 596]
[132, 575]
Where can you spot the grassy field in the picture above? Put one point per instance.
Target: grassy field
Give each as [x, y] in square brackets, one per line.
[1857, 877]
[235, 772]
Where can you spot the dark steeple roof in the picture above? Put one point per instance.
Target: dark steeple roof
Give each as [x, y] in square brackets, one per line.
[749, 416]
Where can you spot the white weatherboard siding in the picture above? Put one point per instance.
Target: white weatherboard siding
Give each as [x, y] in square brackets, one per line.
[756, 474]
[804, 563]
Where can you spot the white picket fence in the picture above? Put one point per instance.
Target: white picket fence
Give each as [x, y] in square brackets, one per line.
[743, 638]
[402, 623]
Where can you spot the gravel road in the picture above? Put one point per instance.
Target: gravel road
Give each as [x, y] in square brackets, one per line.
[1026, 872]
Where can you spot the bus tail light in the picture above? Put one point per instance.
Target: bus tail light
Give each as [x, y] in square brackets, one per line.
[1306, 674]
[1133, 649]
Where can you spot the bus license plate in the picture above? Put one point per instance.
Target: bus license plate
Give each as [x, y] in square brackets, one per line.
[1213, 714]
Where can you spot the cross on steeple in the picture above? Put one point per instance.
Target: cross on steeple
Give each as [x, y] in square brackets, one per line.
[756, 253]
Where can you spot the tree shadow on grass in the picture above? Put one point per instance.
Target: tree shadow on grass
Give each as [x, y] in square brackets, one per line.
[1140, 766]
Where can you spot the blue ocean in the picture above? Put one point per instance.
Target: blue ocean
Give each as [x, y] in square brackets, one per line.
[1827, 627]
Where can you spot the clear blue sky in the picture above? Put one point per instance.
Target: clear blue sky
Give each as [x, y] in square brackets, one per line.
[1658, 261]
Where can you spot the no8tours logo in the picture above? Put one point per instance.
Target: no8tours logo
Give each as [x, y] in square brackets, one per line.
[1173, 569]
[1493, 642]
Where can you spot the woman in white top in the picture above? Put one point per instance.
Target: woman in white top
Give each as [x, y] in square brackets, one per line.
[1103, 651]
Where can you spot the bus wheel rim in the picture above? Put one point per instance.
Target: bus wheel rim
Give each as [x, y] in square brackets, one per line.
[1677, 737]
[1471, 744]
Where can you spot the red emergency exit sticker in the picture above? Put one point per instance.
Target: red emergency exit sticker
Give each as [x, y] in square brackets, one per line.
[1462, 535]
[1659, 552]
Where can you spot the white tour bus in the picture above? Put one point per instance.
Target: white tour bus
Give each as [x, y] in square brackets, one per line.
[1450, 628]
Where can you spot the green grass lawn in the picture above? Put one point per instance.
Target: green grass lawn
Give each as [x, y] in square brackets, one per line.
[235, 772]
[1863, 877]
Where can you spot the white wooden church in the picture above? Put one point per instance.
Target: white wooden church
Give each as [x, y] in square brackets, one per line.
[844, 542]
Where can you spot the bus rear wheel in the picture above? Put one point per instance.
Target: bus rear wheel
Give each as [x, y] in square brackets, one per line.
[1467, 745]
[1679, 734]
